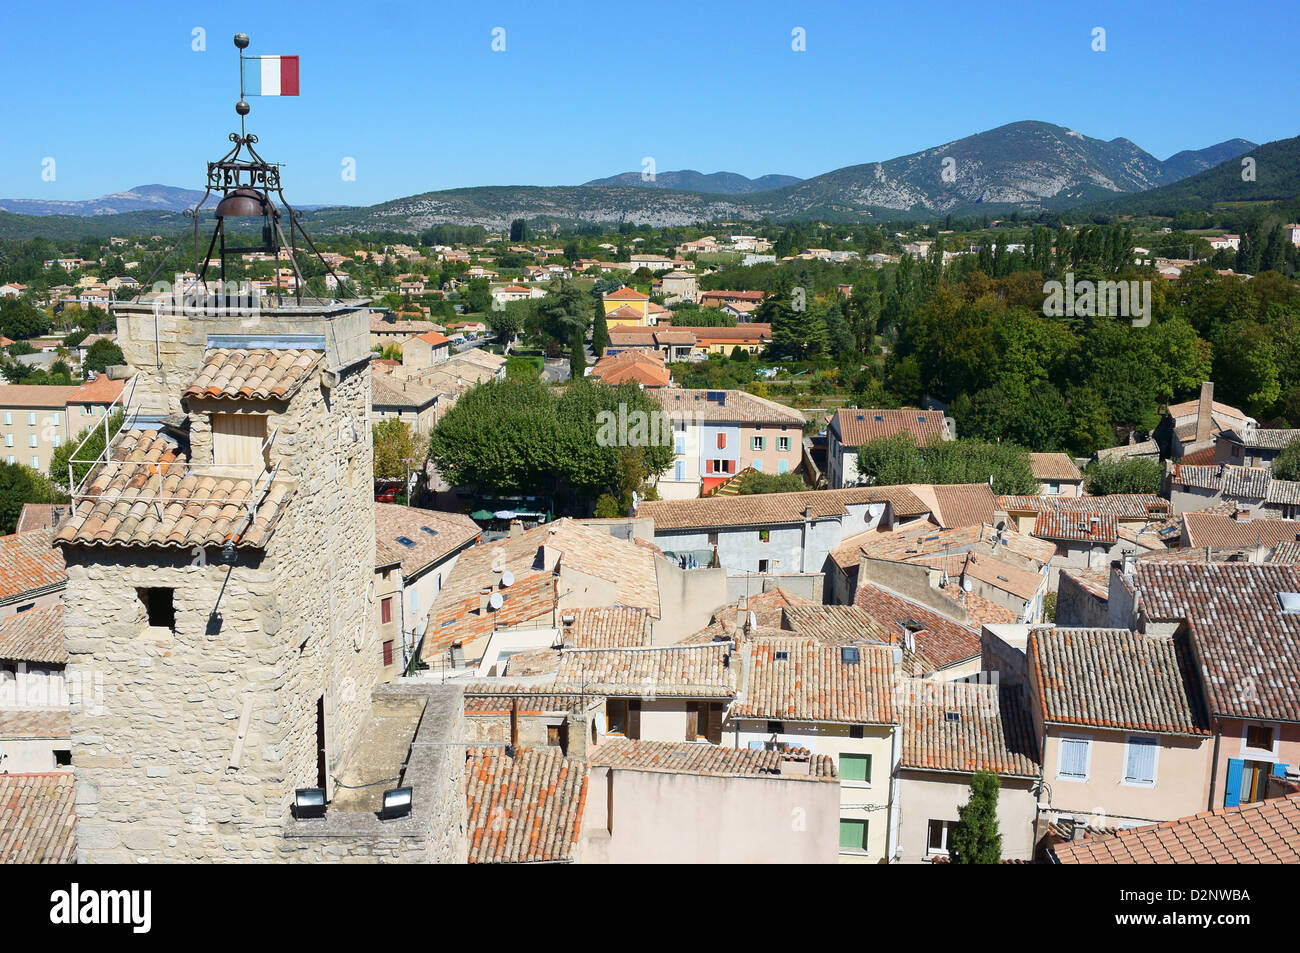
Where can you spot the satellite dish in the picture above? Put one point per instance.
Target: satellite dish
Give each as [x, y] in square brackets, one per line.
[635, 500]
[495, 601]
[507, 579]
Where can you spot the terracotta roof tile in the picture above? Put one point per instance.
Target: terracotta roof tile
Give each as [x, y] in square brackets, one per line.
[29, 562]
[687, 671]
[730, 406]
[432, 535]
[1053, 466]
[1116, 678]
[941, 640]
[1221, 531]
[146, 495]
[796, 678]
[767, 509]
[709, 760]
[1265, 832]
[38, 819]
[253, 373]
[1246, 645]
[612, 627]
[1127, 507]
[1077, 526]
[524, 809]
[46, 724]
[858, 426]
[34, 636]
[967, 727]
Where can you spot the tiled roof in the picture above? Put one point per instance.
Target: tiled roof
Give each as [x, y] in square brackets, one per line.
[1265, 832]
[40, 516]
[29, 562]
[835, 625]
[100, 389]
[748, 332]
[961, 504]
[524, 809]
[34, 636]
[914, 544]
[684, 671]
[626, 294]
[1115, 678]
[705, 759]
[641, 367]
[1053, 466]
[856, 427]
[38, 819]
[1288, 552]
[1189, 408]
[434, 338]
[388, 391]
[1077, 526]
[1243, 482]
[612, 627]
[394, 523]
[1127, 507]
[1094, 581]
[1246, 645]
[253, 373]
[941, 640]
[147, 496]
[46, 724]
[625, 311]
[967, 727]
[801, 679]
[52, 396]
[767, 608]
[732, 406]
[1264, 439]
[1284, 491]
[491, 698]
[768, 509]
[1023, 583]
[1221, 531]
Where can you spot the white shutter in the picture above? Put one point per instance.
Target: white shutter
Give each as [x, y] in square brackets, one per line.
[1074, 758]
[1141, 766]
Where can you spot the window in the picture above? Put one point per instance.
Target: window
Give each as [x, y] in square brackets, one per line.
[679, 470]
[782, 466]
[857, 731]
[57, 440]
[10, 458]
[388, 653]
[237, 439]
[9, 418]
[775, 727]
[763, 565]
[764, 535]
[63, 759]
[783, 444]
[36, 463]
[31, 440]
[756, 443]
[159, 604]
[1075, 755]
[386, 610]
[855, 767]
[1140, 762]
[1259, 737]
[9, 440]
[623, 717]
[853, 835]
[31, 419]
[679, 443]
[938, 836]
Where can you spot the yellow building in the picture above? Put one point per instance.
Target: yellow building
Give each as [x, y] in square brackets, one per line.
[627, 307]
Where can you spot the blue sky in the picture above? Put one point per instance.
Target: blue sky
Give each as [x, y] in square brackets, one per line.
[414, 93]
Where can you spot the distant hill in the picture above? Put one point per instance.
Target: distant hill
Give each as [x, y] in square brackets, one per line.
[1191, 161]
[1024, 167]
[1277, 178]
[162, 198]
[688, 180]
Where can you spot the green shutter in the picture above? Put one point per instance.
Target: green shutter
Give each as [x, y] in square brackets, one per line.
[853, 834]
[855, 767]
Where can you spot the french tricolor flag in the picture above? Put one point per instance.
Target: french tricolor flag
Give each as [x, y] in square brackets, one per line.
[270, 75]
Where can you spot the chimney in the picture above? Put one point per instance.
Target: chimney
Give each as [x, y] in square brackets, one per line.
[514, 723]
[1205, 412]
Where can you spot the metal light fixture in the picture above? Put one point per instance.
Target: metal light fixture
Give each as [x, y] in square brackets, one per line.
[397, 803]
[309, 803]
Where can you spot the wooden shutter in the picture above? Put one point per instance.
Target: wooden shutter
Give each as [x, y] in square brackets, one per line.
[715, 723]
[634, 719]
[237, 439]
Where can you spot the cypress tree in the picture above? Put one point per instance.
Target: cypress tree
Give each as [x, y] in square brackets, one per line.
[976, 839]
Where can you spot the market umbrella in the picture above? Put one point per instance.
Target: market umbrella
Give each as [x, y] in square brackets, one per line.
[504, 514]
[480, 515]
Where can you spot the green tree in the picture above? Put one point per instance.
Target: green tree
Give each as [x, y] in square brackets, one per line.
[976, 839]
[89, 452]
[500, 436]
[898, 459]
[395, 444]
[1287, 464]
[102, 355]
[1133, 475]
[20, 485]
[577, 356]
[772, 483]
[599, 332]
[519, 230]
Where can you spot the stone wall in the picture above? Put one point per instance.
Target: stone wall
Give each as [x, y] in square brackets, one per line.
[153, 751]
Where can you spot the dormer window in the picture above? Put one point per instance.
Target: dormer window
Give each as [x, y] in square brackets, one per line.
[238, 440]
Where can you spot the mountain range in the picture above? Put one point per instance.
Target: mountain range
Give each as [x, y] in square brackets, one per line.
[688, 180]
[1024, 166]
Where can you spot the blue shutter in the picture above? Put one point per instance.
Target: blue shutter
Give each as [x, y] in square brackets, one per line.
[1232, 790]
[1279, 770]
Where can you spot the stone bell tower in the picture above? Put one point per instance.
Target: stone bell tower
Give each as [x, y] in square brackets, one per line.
[221, 552]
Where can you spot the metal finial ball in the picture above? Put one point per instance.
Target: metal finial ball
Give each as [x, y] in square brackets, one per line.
[241, 40]
[242, 108]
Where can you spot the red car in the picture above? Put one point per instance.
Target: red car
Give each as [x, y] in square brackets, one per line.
[386, 495]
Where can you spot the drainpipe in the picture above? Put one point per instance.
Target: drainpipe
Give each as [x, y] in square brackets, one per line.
[891, 839]
[807, 531]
